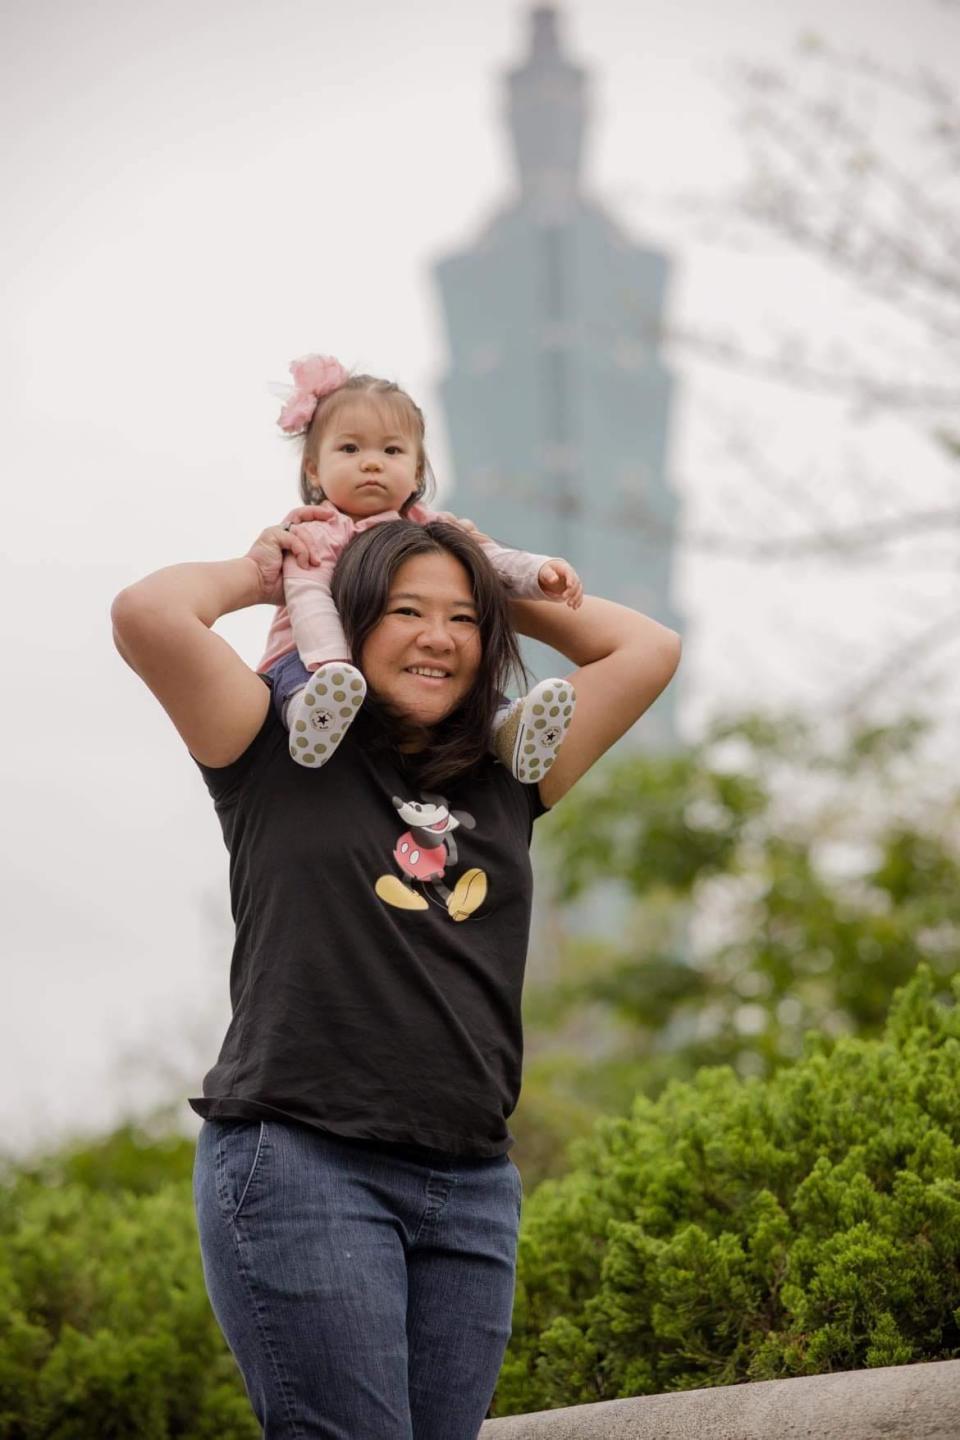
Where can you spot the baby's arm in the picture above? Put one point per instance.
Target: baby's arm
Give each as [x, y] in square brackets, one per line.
[527, 576]
[519, 570]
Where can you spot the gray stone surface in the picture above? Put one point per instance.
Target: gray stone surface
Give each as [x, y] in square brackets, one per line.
[904, 1402]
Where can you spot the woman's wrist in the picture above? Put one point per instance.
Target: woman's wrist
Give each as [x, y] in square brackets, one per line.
[252, 585]
[206, 590]
[210, 589]
[236, 585]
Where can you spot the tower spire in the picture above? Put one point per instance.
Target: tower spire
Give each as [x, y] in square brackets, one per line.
[546, 113]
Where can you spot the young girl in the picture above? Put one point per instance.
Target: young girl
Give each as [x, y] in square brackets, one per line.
[364, 463]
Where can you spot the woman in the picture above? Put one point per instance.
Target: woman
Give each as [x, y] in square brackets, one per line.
[357, 1209]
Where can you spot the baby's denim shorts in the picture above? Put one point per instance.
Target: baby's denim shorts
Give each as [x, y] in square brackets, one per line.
[288, 675]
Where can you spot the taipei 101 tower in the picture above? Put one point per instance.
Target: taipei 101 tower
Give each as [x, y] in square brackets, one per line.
[557, 401]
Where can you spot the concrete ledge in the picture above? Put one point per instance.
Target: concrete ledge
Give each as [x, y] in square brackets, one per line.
[903, 1402]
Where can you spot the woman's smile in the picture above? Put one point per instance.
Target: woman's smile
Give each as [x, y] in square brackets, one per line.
[422, 672]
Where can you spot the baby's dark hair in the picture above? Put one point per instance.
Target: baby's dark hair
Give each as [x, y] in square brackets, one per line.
[361, 588]
[398, 408]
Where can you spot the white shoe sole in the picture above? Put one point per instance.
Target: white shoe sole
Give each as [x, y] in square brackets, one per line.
[545, 716]
[327, 708]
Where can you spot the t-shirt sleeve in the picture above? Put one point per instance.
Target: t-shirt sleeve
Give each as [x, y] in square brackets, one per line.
[537, 807]
[225, 782]
[527, 804]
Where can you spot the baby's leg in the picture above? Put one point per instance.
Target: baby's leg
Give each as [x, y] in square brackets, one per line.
[316, 706]
[528, 734]
[320, 714]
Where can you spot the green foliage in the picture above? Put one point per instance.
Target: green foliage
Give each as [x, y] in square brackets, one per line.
[105, 1326]
[138, 1158]
[668, 820]
[749, 1229]
[767, 883]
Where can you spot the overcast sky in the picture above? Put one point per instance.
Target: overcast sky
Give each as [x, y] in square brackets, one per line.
[199, 193]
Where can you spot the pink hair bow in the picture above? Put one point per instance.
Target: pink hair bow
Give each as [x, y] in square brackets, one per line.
[313, 377]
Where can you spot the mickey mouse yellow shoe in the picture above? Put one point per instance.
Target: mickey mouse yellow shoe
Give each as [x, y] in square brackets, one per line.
[400, 896]
[468, 894]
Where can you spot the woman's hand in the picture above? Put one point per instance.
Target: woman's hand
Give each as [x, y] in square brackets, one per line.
[300, 514]
[466, 525]
[559, 581]
[267, 553]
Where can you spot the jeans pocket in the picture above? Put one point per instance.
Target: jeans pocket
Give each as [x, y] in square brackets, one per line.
[518, 1178]
[241, 1160]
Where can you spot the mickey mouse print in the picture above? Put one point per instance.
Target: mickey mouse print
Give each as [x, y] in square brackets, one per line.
[424, 852]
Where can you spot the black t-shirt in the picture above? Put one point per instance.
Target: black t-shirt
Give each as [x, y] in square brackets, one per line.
[362, 1004]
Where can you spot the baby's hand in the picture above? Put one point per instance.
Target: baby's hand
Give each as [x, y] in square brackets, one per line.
[559, 581]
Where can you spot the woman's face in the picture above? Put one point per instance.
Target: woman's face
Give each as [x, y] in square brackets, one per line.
[422, 657]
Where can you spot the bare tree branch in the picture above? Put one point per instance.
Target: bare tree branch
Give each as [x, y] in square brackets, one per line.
[854, 167]
[788, 368]
[903, 658]
[842, 543]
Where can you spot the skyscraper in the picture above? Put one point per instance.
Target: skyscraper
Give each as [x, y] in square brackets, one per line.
[556, 398]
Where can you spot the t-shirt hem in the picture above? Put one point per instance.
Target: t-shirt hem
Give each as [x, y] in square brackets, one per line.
[434, 1143]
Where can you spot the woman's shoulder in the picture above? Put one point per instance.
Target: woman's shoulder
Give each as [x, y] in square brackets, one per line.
[492, 786]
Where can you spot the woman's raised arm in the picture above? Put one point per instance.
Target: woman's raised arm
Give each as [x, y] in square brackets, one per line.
[625, 661]
[161, 626]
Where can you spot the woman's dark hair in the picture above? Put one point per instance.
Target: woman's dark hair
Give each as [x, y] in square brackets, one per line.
[361, 587]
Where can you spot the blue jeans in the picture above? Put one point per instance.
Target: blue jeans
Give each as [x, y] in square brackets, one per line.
[287, 676]
[365, 1295]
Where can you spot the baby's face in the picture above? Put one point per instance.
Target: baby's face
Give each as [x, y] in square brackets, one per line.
[365, 464]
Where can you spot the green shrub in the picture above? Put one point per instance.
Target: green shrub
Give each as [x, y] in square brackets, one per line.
[747, 1229]
[776, 877]
[105, 1326]
[729, 1230]
[139, 1156]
